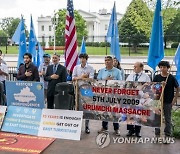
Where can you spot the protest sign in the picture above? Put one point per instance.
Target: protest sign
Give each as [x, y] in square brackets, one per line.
[120, 101]
[64, 124]
[23, 93]
[19, 143]
[22, 120]
[2, 113]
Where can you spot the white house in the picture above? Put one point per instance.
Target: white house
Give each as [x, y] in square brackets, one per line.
[97, 26]
[45, 30]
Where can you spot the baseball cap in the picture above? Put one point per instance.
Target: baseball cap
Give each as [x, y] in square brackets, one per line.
[46, 55]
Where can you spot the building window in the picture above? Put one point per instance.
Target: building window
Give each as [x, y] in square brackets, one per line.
[42, 28]
[50, 39]
[50, 28]
[106, 27]
[43, 40]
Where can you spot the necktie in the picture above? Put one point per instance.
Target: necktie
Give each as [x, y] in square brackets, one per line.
[136, 77]
[54, 69]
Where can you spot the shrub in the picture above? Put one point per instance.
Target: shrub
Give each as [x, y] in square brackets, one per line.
[174, 45]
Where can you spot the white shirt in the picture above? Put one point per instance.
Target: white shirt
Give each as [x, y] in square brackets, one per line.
[78, 71]
[43, 67]
[142, 77]
[4, 68]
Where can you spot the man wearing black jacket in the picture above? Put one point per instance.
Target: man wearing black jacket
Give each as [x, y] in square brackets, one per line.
[56, 73]
[28, 71]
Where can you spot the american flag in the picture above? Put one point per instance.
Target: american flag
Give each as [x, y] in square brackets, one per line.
[71, 54]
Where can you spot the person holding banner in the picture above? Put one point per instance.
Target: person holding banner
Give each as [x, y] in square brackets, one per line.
[28, 71]
[169, 98]
[109, 73]
[55, 73]
[139, 76]
[83, 71]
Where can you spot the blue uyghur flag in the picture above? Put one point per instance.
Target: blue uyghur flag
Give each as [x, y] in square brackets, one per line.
[32, 43]
[16, 35]
[177, 63]
[22, 44]
[86, 92]
[83, 46]
[40, 54]
[156, 47]
[113, 35]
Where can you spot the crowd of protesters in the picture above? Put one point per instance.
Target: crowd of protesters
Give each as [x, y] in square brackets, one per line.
[51, 72]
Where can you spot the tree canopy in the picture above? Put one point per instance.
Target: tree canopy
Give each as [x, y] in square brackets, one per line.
[136, 23]
[60, 29]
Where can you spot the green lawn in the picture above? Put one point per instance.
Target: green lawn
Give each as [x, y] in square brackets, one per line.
[96, 51]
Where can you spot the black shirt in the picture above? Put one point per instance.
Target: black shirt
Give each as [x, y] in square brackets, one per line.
[169, 88]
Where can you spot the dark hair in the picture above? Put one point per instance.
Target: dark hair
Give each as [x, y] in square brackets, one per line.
[164, 63]
[109, 57]
[28, 54]
[84, 55]
[1, 52]
[56, 55]
[118, 65]
[46, 55]
[141, 65]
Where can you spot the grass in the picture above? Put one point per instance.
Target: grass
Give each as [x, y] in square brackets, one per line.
[96, 51]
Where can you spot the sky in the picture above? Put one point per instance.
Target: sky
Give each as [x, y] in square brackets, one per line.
[14, 8]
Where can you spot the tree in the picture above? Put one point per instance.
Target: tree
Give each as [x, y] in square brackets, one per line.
[9, 25]
[60, 29]
[173, 29]
[3, 38]
[136, 23]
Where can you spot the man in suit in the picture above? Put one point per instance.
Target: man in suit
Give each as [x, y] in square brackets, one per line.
[55, 73]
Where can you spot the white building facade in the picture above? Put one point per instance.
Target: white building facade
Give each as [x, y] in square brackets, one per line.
[97, 26]
[45, 30]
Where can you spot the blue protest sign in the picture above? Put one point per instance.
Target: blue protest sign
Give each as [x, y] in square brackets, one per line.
[22, 120]
[23, 93]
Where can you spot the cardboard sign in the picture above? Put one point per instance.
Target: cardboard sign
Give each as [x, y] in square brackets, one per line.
[64, 124]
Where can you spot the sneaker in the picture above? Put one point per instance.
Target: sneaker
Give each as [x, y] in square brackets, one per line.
[102, 130]
[87, 130]
[117, 132]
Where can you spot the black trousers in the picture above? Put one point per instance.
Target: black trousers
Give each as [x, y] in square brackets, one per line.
[50, 102]
[105, 125]
[134, 128]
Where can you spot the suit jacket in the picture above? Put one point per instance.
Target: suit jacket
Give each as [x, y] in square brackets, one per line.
[21, 73]
[61, 71]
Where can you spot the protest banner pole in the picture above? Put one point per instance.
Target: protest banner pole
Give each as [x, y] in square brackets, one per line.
[162, 101]
[76, 95]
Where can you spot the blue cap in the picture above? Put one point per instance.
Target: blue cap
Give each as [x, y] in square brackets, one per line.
[46, 55]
